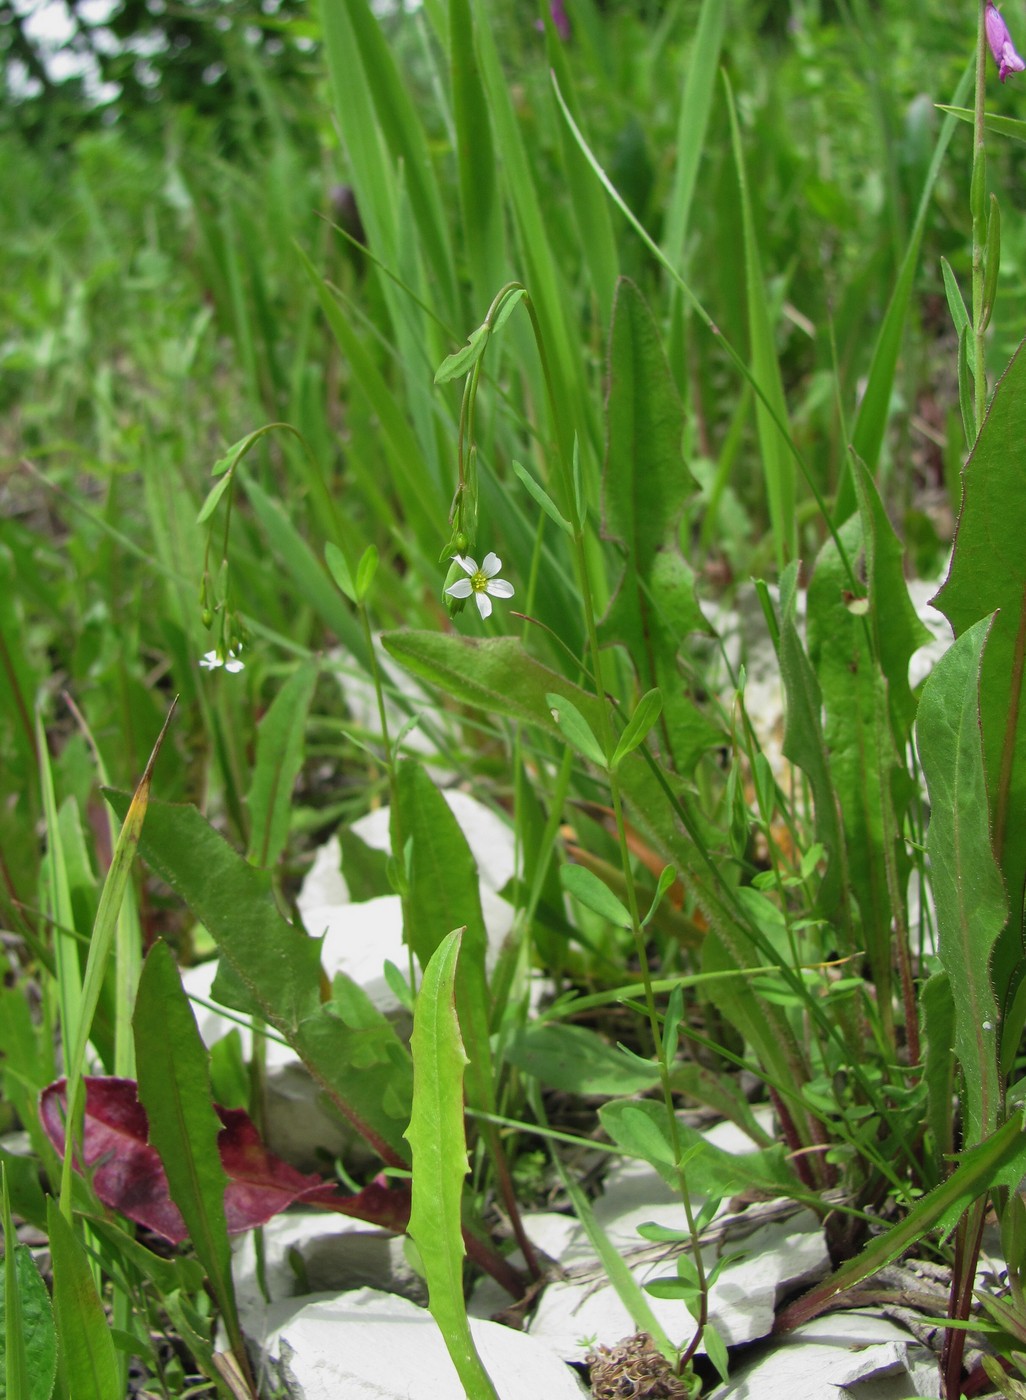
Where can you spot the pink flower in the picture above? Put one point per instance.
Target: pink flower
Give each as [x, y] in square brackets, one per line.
[1000, 41]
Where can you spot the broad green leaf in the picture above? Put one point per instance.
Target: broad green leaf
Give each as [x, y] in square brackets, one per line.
[860, 743]
[28, 1341]
[938, 1017]
[586, 886]
[26, 1326]
[279, 757]
[438, 1145]
[174, 1088]
[277, 964]
[443, 893]
[645, 487]
[639, 1126]
[577, 1061]
[87, 1359]
[966, 881]
[988, 575]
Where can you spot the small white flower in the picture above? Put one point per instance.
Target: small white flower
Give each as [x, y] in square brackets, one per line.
[480, 582]
[213, 659]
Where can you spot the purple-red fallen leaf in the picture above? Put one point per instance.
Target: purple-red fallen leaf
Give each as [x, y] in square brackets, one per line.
[127, 1174]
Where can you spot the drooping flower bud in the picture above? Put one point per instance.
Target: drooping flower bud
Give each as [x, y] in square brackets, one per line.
[1000, 41]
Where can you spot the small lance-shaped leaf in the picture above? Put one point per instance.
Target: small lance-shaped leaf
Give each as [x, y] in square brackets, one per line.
[127, 1174]
[1000, 1161]
[277, 964]
[966, 881]
[988, 575]
[338, 567]
[464, 360]
[279, 757]
[542, 498]
[174, 1088]
[444, 893]
[87, 1361]
[647, 711]
[644, 489]
[576, 729]
[28, 1340]
[437, 1138]
[586, 886]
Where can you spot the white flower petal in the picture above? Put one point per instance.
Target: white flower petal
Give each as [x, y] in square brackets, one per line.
[484, 604]
[491, 566]
[210, 661]
[460, 589]
[499, 588]
[468, 565]
[234, 665]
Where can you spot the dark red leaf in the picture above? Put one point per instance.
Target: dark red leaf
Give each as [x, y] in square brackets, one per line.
[127, 1174]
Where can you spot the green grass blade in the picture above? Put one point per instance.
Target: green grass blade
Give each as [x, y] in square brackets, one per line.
[871, 422]
[692, 123]
[437, 1138]
[480, 204]
[777, 463]
[279, 757]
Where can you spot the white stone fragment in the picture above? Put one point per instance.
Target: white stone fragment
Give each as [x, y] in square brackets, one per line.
[368, 1345]
[841, 1356]
[317, 1252]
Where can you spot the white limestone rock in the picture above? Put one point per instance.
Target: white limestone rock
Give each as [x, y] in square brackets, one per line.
[368, 1345]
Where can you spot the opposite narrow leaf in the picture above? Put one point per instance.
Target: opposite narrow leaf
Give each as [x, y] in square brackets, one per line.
[437, 1138]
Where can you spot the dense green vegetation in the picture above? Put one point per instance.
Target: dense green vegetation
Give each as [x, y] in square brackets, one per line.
[704, 260]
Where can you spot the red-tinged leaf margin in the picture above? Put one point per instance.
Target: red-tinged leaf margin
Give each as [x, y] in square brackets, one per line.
[128, 1176]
